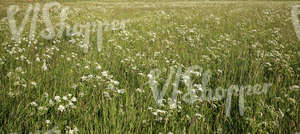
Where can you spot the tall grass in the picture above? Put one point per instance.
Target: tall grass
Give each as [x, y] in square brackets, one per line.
[242, 43]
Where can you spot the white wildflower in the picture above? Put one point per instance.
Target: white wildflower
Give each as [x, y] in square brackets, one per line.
[34, 104]
[105, 73]
[98, 67]
[198, 115]
[47, 122]
[120, 91]
[42, 108]
[65, 98]
[33, 83]
[57, 98]
[37, 59]
[139, 90]
[73, 99]
[173, 105]
[83, 78]
[71, 104]
[74, 131]
[61, 108]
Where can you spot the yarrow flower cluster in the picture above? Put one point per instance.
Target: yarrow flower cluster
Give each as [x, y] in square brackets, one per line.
[60, 104]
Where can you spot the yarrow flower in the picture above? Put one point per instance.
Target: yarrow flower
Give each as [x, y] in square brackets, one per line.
[61, 108]
[73, 99]
[105, 73]
[57, 98]
[34, 104]
[71, 131]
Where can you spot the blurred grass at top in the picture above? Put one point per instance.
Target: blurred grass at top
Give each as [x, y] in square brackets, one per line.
[129, 0]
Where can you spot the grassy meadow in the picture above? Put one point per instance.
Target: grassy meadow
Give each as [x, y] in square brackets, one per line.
[46, 84]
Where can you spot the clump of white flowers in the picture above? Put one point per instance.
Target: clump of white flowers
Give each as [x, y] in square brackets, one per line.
[61, 104]
[69, 130]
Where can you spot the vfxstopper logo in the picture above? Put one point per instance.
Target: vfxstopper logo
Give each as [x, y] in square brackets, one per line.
[49, 32]
[207, 94]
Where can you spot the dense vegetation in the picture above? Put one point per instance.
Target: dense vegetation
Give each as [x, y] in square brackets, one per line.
[54, 83]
